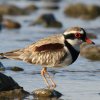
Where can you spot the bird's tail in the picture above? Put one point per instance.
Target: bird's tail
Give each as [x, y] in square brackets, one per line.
[11, 55]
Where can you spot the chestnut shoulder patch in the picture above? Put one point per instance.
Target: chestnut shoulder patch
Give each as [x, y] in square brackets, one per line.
[49, 47]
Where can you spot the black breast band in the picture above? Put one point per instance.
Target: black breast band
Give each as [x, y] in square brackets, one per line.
[74, 52]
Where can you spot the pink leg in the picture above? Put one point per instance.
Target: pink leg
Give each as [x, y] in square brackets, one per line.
[43, 73]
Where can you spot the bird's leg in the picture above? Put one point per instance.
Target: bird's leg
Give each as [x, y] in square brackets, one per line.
[43, 73]
[53, 83]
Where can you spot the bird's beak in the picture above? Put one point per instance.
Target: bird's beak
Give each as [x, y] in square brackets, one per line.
[89, 41]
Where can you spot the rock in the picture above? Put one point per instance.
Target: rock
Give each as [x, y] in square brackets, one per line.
[91, 35]
[7, 83]
[48, 20]
[51, 6]
[46, 93]
[18, 94]
[83, 11]
[10, 90]
[14, 10]
[30, 8]
[2, 68]
[75, 10]
[93, 11]
[91, 52]
[7, 23]
[16, 69]
[11, 10]
[0, 26]
[1, 18]
[1, 65]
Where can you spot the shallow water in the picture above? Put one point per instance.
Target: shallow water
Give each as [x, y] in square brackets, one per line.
[79, 81]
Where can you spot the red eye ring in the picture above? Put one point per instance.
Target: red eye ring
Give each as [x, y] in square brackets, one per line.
[78, 35]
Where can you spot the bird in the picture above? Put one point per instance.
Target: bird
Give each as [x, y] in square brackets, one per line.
[55, 51]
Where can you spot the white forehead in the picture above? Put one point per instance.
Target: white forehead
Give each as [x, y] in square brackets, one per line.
[69, 32]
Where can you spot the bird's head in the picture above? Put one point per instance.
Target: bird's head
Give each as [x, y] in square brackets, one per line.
[76, 36]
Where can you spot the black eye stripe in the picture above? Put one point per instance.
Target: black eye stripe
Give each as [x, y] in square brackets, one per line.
[69, 36]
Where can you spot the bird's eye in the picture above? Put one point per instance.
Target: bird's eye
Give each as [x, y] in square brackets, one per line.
[78, 35]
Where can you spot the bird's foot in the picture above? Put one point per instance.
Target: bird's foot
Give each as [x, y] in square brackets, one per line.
[51, 87]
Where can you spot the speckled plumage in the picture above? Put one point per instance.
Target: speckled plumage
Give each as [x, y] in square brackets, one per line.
[45, 57]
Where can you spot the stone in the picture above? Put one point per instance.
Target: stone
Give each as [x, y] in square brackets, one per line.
[83, 11]
[7, 9]
[51, 6]
[1, 18]
[2, 68]
[16, 69]
[46, 93]
[7, 23]
[10, 90]
[47, 20]
[11, 10]
[91, 52]
[30, 8]
[18, 94]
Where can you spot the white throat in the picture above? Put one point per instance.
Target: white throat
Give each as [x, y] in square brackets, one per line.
[75, 43]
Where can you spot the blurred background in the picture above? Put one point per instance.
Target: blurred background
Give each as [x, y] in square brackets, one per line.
[23, 22]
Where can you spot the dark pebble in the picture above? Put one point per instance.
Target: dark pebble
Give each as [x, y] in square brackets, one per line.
[10, 90]
[16, 69]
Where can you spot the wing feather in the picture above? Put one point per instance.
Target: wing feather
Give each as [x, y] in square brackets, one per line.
[49, 47]
[46, 51]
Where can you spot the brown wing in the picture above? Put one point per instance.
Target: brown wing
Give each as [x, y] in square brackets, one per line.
[46, 54]
[49, 43]
[45, 51]
[49, 47]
